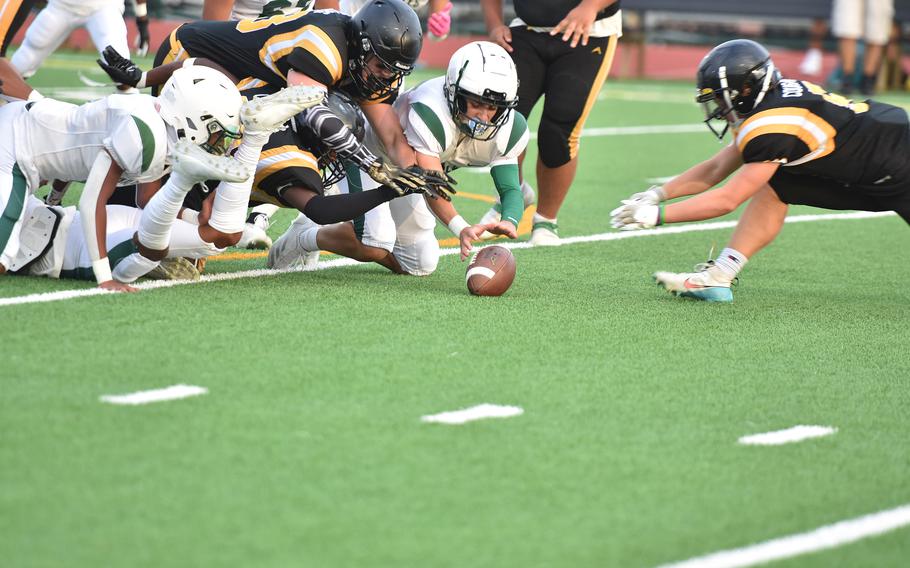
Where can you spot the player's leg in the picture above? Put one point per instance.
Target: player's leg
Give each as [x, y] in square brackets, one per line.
[106, 27]
[13, 195]
[416, 246]
[257, 223]
[757, 228]
[260, 117]
[191, 164]
[573, 84]
[122, 222]
[47, 32]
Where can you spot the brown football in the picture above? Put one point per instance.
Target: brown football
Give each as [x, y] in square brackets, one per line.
[491, 271]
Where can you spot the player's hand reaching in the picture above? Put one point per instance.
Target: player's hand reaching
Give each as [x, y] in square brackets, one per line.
[115, 286]
[142, 40]
[633, 215]
[412, 180]
[472, 233]
[651, 196]
[119, 68]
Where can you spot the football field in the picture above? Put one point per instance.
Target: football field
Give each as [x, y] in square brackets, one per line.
[305, 434]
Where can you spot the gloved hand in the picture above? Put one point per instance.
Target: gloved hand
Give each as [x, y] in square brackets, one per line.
[120, 69]
[412, 180]
[439, 23]
[142, 40]
[633, 215]
[651, 196]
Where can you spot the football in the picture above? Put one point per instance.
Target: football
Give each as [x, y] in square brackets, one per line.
[491, 271]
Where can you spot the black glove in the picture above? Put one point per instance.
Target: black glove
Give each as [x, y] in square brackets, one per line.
[412, 180]
[437, 184]
[120, 69]
[142, 42]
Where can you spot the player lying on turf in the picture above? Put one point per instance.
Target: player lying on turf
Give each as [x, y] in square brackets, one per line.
[462, 119]
[794, 143]
[117, 139]
[55, 245]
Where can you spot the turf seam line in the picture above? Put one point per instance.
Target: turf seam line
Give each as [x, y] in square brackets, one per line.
[342, 262]
[822, 538]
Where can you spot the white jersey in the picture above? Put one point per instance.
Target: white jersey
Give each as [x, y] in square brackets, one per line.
[251, 9]
[57, 140]
[428, 126]
[83, 8]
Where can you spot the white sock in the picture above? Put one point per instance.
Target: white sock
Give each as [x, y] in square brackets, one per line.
[527, 192]
[231, 199]
[307, 239]
[266, 209]
[538, 218]
[161, 212]
[132, 267]
[730, 262]
[185, 241]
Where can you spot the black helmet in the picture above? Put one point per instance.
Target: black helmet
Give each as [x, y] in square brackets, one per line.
[350, 114]
[734, 78]
[390, 30]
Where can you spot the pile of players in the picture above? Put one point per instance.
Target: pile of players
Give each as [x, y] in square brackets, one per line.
[272, 110]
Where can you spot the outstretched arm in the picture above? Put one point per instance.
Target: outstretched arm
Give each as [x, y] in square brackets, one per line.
[705, 175]
[717, 202]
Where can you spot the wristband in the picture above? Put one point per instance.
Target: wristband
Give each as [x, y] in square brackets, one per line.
[34, 96]
[140, 84]
[102, 270]
[660, 215]
[142, 10]
[458, 224]
[188, 62]
[190, 216]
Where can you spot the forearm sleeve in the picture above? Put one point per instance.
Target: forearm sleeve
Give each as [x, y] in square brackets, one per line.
[88, 207]
[507, 183]
[328, 209]
[334, 134]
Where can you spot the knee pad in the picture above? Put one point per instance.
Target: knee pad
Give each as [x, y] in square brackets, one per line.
[419, 257]
[554, 145]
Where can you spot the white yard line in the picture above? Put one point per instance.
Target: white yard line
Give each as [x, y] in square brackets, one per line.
[479, 412]
[787, 436]
[175, 392]
[636, 130]
[340, 262]
[822, 538]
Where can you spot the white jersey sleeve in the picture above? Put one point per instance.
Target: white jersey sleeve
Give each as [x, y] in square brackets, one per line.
[511, 140]
[428, 125]
[252, 9]
[138, 143]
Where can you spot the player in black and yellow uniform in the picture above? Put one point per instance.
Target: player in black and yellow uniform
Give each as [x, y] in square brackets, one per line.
[794, 143]
[365, 56]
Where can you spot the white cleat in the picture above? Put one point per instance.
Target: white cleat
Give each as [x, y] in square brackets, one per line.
[269, 113]
[494, 215]
[194, 163]
[545, 234]
[707, 283]
[254, 234]
[288, 251]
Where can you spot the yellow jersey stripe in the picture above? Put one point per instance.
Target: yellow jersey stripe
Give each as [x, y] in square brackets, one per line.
[310, 38]
[814, 131]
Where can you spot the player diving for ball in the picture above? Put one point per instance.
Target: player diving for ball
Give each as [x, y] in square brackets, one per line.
[462, 119]
[793, 143]
[134, 139]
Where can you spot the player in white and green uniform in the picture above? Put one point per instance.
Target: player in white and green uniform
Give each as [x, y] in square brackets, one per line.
[460, 120]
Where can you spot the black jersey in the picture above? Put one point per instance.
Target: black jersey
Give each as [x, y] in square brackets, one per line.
[313, 43]
[813, 132]
[548, 14]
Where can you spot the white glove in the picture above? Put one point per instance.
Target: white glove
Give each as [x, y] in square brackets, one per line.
[652, 196]
[633, 215]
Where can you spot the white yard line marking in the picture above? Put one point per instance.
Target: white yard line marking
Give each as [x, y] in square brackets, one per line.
[341, 262]
[635, 130]
[788, 436]
[175, 392]
[822, 538]
[479, 412]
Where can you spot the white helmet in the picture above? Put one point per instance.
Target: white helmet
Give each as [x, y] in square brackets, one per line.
[484, 72]
[199, 102]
